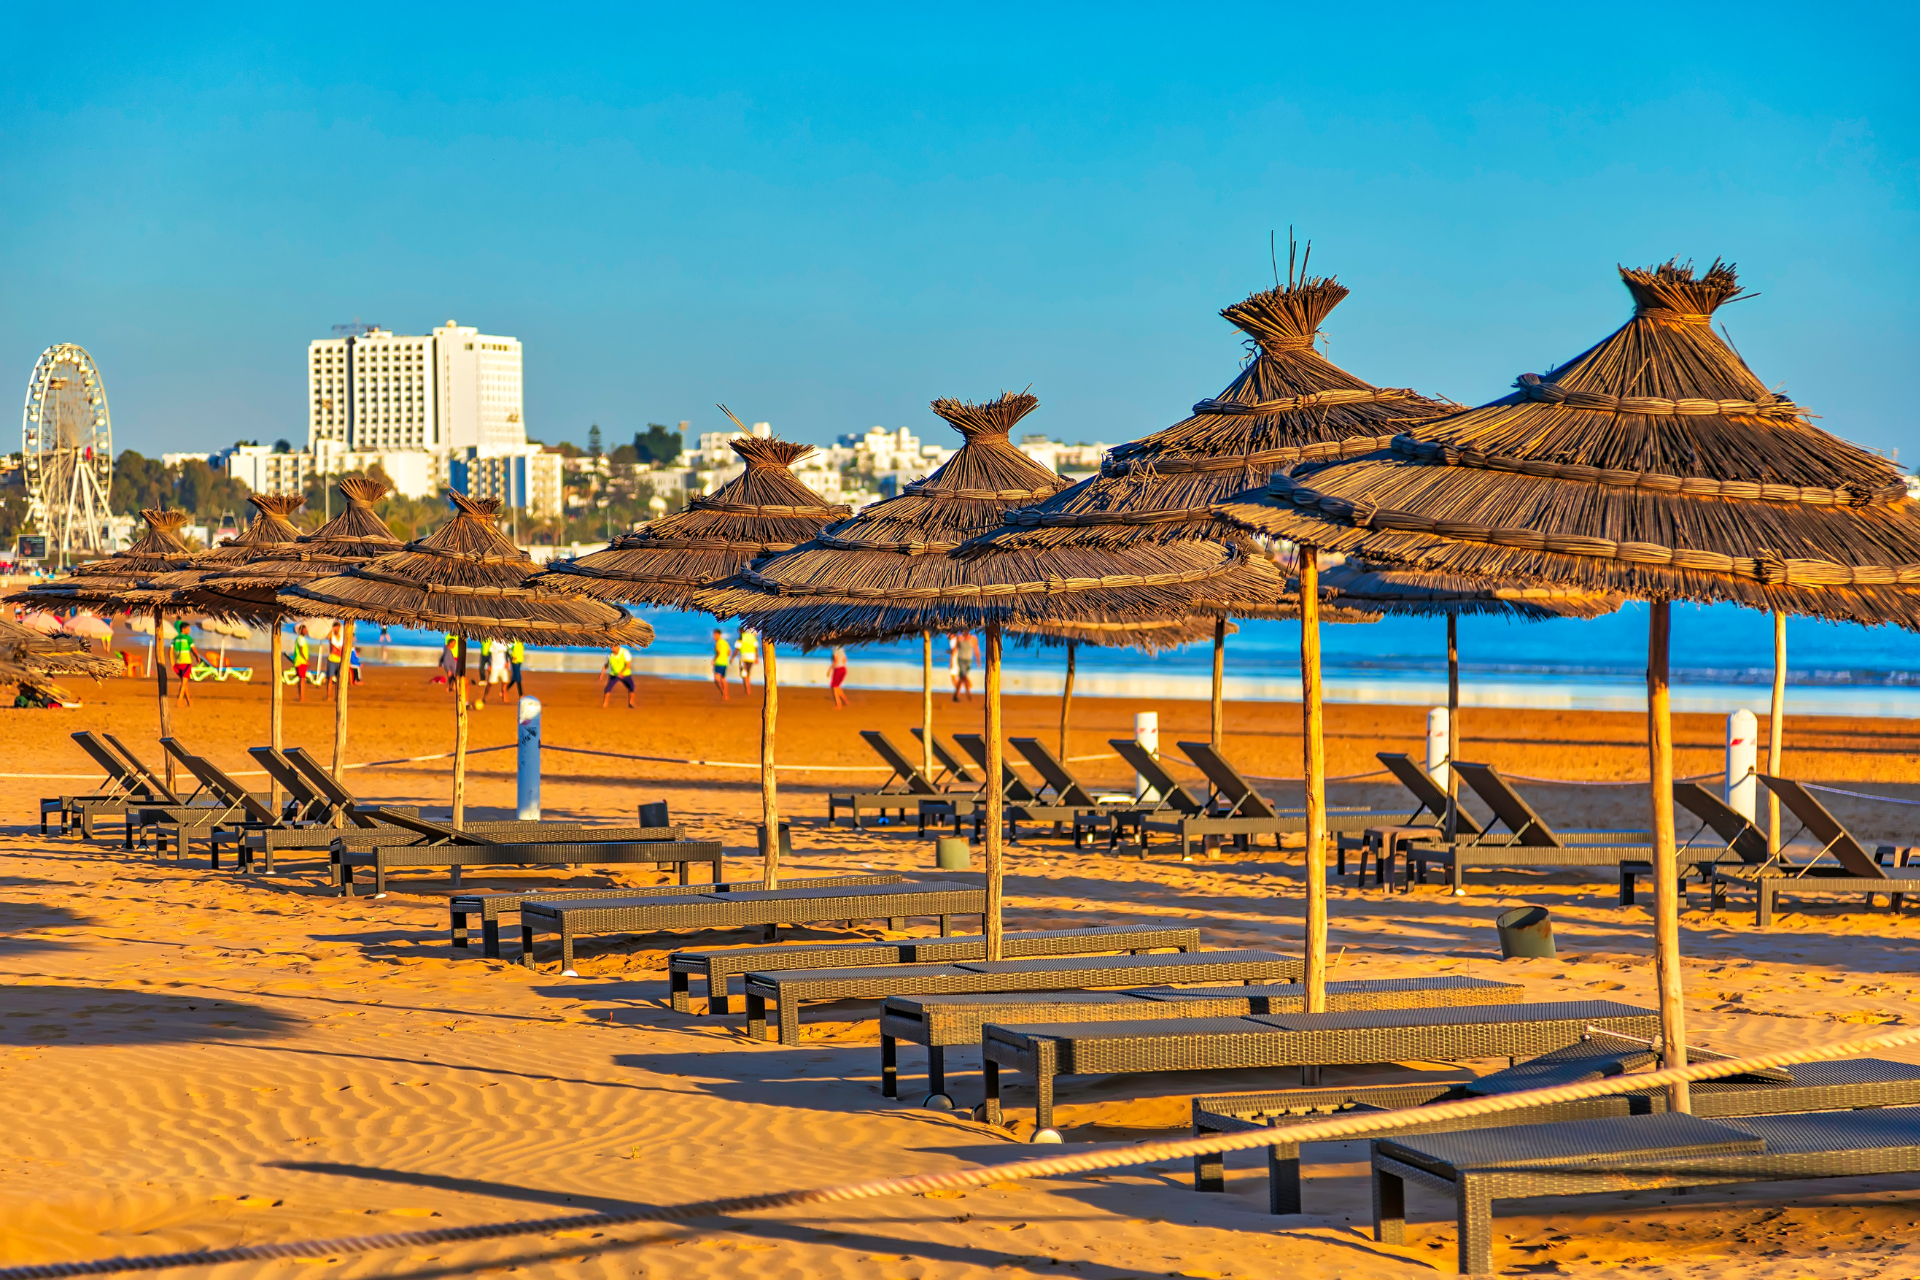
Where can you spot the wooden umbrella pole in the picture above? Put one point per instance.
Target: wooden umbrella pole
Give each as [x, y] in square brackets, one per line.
[1219, 679]
[769, 800]
[1776, 726]
[1453, 726]
[926, 705]
[340, 687]
[1316, 773]
[996, 794]
[1066, 697]
[1666, 883]
[460, 737]
[160, 684]
[275, 707]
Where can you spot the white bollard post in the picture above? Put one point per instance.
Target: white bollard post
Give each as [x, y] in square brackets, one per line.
[529, 760]
[1439, 745]
[1743, 741]
[1146, 732]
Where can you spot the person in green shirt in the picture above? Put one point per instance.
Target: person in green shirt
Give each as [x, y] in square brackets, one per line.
[722, 656]
[516, 655]
[618, 670]
[183, 658]
[302, 656]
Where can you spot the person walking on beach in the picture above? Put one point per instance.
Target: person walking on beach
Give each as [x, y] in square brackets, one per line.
[497, 665]
[516, 656]
[961, 651]
[749, 646]
[183, 655]
[618, 670]
[722, 654]
[336, 649]
[302, 659]
[838, 677]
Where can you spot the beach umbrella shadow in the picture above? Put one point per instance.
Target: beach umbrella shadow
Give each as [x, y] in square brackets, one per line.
[49, 1014]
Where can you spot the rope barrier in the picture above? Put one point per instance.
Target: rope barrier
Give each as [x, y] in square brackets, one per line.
[1333, 1129]
[1859, 795]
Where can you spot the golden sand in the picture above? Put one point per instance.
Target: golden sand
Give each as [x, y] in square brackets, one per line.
[189, 1058]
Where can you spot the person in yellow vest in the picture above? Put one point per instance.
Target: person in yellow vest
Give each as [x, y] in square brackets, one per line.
[302, 658]
[722, 655]
[183, 655]
[619, 670]
[516, 655]
[749, 649]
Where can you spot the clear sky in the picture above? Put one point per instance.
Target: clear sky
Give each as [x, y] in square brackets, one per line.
[826, 219]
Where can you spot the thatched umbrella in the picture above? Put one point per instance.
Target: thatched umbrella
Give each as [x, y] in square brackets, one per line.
[468, 579]
[269, 533]
[1655, 464]
[762, 511]
[890, 572]
[1425, 594]
[103, 583]
[30, 659]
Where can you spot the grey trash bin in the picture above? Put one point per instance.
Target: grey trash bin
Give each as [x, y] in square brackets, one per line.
[1524, 932]
[952, 854]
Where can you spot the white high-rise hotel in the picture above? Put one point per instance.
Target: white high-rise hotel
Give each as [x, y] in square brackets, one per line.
[455, 390]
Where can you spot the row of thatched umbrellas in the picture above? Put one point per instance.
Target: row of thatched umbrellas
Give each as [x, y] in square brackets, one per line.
[1654, 466]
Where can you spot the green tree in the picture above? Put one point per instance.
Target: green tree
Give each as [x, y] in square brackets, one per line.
[593, 440]
[659, 444]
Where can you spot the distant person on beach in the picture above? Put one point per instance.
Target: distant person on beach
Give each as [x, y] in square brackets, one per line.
[449, 663]
[323, 655]
[183, 655]
[722, 654]
[749, 644]
[336, 650]
[618, 670]
[516, 658]
[838, 677]
[962, 649]
[497, 665]
[302, 659]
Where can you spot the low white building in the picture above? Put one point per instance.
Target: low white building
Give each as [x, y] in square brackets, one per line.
[528, 478]
[415, 473]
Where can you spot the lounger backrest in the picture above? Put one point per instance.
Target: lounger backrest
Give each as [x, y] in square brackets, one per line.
[121, 779]
[1433, 799]
[223, 786]
[1825, 828]
[307, 805]
[1528, 827]
[1066, 788]
[157, 790]
[1011, 783]
[1242, 801]
[1147, 765]
[440, 831]
[1725, 821]
[905, 771]
[325, 785]
[944, 758]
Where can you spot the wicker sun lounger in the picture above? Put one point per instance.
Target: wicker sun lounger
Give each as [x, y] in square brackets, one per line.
[718, 967]
[490, 907]
[304, 804]
[1475, 1168]
[1858, 871]
[1292, 1040]
[904, 790]
[940, 1023]
[125, 785]
[217, 800]
[1070, 973]
[1236, 810]
[949, 767]
[1062, 798]
[1819, 1086]
[623, 913]
[440, 846]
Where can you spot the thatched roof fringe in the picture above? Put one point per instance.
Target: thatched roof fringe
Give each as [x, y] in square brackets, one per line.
[1533, 387]
[1290, 404]
[976, 590]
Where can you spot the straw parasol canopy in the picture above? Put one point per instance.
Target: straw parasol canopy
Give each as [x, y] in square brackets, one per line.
[763, 510]
[248, 588]
[104, 582]
[1148, 636]
[1655, 464]
[31, 658]
[268, 534]
[467, 578]
[1424, 593]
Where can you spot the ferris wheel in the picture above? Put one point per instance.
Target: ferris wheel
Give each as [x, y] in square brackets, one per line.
[66, 452]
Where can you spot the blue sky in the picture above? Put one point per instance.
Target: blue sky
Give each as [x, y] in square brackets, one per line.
[828, 219]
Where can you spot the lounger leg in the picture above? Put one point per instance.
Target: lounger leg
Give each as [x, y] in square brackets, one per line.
[1718, 900]
[889, 1067]
[683, 873]
[946, 926]
[990, 1107]
[678, 999]
[756, 1017]
[380, 880]
[566, 950]
[456, 876]
[490, 938]
[1627, 879]
[1283, 1178]
[790, 1018]
[1389, 1208]
[1044, 1068]
[344, 878]
[526, 945]
[897, 923]
[1457, 876]
[936, 1068]
[1209, 1171]
[1763, 909]
[459, 930]
[1474, 1210]
[719, 995]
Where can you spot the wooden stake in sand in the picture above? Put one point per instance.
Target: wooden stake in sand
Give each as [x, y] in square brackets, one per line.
[460, 736]
[1776, 726]
[926, 704]
[1316, 775]
[769, 801]
[1066, 698]
[996, 794]
[1219, 682]
[340, 687]
[1666, 865]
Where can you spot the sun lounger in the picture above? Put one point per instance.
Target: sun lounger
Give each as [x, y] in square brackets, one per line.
[1523, 825]
[1628, 1153]
[901, 792]
[743, 909]
[150, 783]
[1382, 843]
[1858, 871]
[717, 967]
[1014, 786]
[943, 1022]
[949, 766]
[124, 786]
[304, 804]
[218, 799]
[1292, 1040]
[791, 990]
[440, 846]
[490, 907]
